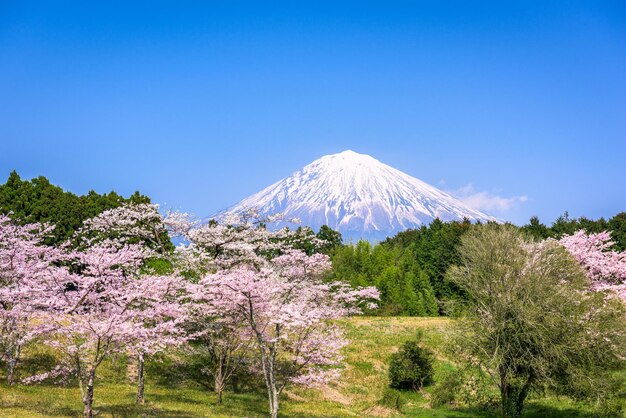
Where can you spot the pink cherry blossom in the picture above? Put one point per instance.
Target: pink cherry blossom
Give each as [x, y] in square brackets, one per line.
[103, 303]
[277, 295]
[606, 268]
[25, 265]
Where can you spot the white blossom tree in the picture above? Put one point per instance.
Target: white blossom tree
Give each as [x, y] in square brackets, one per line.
[276, 292]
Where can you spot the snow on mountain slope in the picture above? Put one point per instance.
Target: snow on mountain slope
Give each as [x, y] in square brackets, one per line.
[359, 196]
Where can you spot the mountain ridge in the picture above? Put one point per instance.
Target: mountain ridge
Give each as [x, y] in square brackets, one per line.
[357, 195]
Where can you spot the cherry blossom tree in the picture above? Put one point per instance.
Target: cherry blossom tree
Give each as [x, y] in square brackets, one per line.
[143, 224]
[129, 223]
[276, 292]
[215, 328]
[287, 308]
[605, 267]
[218, 332]
[89, 318]
[24, 263]
[158, 316]
[103, 307]
[105, 302]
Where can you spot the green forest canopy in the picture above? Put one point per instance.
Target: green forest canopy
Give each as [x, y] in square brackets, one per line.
[38, 200]
[410, 267]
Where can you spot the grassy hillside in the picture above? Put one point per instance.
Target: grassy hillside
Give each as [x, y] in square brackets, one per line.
[361, 392]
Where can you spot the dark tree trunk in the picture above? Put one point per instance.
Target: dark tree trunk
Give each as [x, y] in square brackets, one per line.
[513, 396]
[140, 379]
[219, 390]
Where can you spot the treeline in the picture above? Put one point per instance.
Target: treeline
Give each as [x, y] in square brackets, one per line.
[564, 225]
[39, 201]
[408, 269]
[404, 286]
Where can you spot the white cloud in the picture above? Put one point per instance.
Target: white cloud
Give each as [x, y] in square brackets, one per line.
[486, 201]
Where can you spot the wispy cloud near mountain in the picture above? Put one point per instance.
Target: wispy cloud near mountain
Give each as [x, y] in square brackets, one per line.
[487, 201]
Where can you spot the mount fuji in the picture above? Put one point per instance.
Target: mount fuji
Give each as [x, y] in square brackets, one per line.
[357, 195]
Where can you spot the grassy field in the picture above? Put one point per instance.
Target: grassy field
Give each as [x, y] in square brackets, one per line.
[361, 392]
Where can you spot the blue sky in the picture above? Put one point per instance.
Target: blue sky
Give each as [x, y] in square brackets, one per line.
[520, 107]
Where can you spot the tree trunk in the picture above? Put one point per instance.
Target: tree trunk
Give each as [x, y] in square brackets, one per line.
[14, 357]
[513, 397]
[268, 361]
[10, 371]
[274, 402]
[140, 380]
[219, 381]
[219, 390]
[88, 396]
[272, 390]
[511, 407]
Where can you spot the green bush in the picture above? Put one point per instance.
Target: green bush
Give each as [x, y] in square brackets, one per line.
[446, 389]
[412, 367]
[466, 387]
[392, 399]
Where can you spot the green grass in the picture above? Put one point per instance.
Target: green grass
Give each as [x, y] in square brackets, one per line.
[361, 392]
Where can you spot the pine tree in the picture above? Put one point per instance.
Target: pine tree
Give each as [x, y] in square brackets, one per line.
[431, 307]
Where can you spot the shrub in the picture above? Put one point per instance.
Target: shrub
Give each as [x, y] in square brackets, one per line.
[412, 367]
[392, 399]
[468, 387]
[446, 389]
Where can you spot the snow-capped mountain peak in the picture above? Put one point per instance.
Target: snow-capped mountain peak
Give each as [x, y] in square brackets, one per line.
[359, 196]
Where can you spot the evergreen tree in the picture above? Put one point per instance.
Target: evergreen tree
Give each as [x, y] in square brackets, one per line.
[421, 257]
[431, 307]
[617, 226]
[536, 229]
[331, 237]
[38, 201]
[413, 300]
